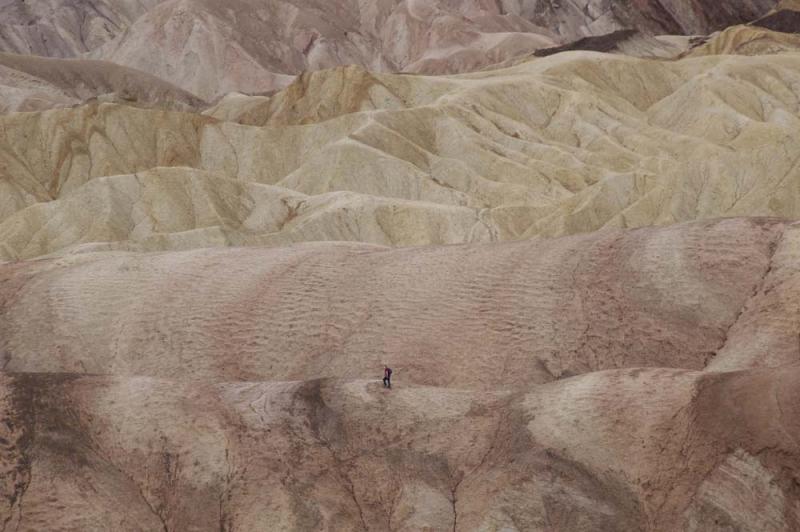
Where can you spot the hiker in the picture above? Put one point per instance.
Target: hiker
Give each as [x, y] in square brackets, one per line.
[387, 377]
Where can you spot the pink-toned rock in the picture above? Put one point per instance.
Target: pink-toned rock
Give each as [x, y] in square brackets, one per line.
[238, 389]
[210, 48]
[475, 316]
[620, 450]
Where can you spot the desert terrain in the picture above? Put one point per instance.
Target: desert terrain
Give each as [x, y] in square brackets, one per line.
[571, 228]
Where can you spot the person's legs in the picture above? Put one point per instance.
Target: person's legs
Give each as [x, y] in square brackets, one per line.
[385, 382]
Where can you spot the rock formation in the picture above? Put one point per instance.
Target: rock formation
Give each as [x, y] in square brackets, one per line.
[570, 228]
[29, 83]
[237, 389]
[210, 48]
[568, 143]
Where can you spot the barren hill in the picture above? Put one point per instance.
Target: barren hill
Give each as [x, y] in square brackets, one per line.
[29, 83]
[210, 48]
[621, 450]
[481, 316]
[65, 28]
[558, 145]
[570, 227]
[515, 406]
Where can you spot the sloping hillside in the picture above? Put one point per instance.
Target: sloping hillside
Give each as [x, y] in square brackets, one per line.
[565, 144]
[182, 390]
[210, 48]
[571, 229]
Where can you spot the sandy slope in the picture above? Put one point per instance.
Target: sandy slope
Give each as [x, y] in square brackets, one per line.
[479, 316]
[519, 400]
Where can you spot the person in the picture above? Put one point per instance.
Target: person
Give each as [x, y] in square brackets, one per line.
[387, 377]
